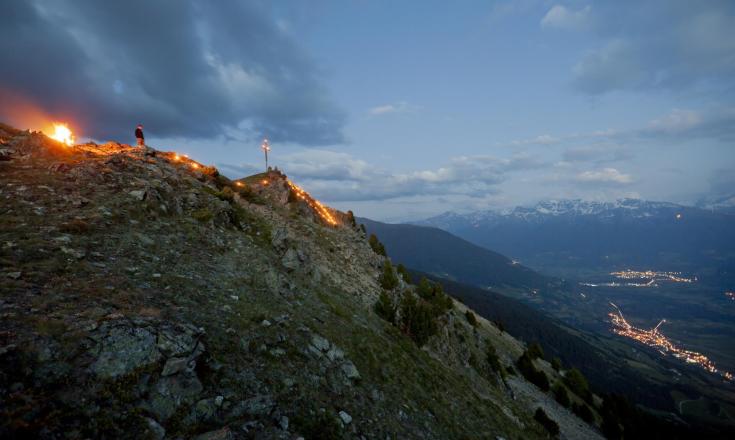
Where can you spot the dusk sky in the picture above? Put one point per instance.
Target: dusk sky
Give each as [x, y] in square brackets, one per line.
[397, 110]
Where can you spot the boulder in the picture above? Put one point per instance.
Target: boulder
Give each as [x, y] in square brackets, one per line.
[346, 418]
[173, 391]
[350, 370]
[175, 365]
[125, 349]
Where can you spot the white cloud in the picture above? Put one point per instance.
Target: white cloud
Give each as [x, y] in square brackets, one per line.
[676, 121]
[544, 139]
[561, 17]
[336, 176]
[399, 107]
[605, 176]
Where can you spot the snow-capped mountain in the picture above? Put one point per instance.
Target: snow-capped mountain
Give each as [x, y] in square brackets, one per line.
[634, 208]
[555, 234]
[722, 203]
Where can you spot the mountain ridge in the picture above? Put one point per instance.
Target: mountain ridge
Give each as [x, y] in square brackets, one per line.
[144, 295]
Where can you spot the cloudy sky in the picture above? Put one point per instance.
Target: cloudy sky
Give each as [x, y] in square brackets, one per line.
[397, 110]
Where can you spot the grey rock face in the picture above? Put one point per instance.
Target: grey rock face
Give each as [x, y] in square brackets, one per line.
[350, 370]
[255, 406]
[125, 349]
[171, 392]
[175, 365]
[291, 259]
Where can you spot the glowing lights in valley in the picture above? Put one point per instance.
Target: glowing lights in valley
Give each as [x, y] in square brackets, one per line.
[654, 339]
[730, 295]
[320, 209]
[63, 134]
[646, 278]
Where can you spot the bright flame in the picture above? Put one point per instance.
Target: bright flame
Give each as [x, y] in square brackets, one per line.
[238, 183]
[176, 157]
[62, 133]
[194, 165]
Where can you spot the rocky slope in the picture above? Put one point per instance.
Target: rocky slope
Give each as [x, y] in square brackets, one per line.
[143, 295]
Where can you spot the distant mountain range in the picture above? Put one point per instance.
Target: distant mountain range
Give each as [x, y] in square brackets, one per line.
[564, 236]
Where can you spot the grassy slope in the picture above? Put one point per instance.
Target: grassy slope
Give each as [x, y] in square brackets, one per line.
[144, 264]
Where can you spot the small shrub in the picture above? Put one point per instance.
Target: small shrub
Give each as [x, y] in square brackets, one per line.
[362, 228]
[376, 245]
[561, 395]
[388, 279]
[202, 215]
[556, 364]
[75, 226]
[471, 318]
[499, 325]
[529, 371]
[385, 307]
[322, 426]
[583, 412]
[434, 294]
[493, 361]
[577, 383]
[474, 363]
[535, 351]
[226, 194]
[551, 426]
[403, 272]
[417, 319]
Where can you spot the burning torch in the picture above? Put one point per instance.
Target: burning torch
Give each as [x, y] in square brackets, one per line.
[266, 148]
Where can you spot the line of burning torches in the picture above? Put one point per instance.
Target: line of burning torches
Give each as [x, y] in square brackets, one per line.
[653, 338]
[320, 209]
[63, 134]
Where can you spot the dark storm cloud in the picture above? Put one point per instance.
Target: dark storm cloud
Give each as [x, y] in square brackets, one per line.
[183, 68]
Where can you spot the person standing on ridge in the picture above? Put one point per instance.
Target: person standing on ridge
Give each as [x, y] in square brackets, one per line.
[139, 135]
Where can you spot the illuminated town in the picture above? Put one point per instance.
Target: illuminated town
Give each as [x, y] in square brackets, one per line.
[655, 339]
[730, 295]
[647, 278]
